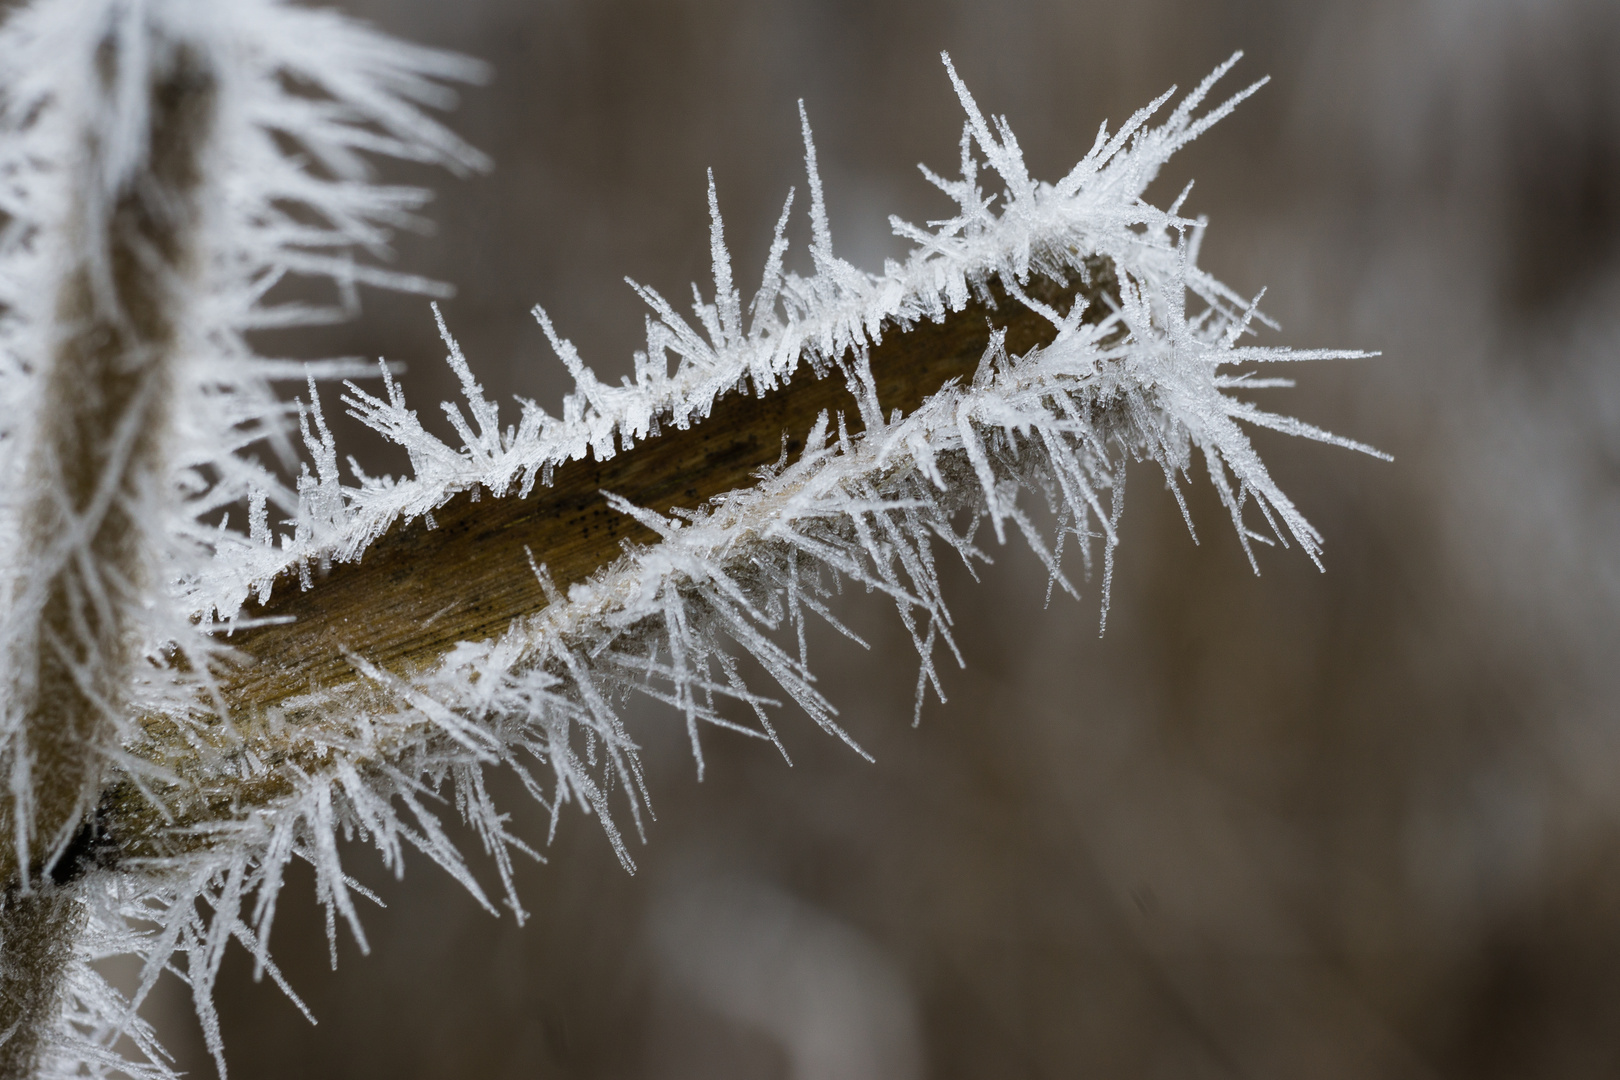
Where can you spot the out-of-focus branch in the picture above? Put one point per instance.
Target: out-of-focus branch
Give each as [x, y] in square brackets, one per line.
[96, 464]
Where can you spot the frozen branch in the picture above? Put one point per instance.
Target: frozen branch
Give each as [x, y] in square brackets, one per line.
[229, 698]
[422, 588]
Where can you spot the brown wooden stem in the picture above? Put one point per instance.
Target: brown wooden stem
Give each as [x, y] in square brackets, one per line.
[421, 588]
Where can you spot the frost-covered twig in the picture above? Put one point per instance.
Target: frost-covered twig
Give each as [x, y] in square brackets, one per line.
[494, 609]
[420, 590]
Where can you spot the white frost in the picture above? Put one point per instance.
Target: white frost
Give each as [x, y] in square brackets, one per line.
[872, 499]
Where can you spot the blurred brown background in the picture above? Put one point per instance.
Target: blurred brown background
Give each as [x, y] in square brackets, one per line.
[1352, 824]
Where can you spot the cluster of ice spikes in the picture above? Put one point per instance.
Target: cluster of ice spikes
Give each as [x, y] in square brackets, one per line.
[871, 501]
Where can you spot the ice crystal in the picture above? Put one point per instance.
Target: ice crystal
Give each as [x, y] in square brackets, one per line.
[872, 499]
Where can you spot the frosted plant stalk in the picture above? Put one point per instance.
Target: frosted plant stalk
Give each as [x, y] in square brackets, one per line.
[222, 751]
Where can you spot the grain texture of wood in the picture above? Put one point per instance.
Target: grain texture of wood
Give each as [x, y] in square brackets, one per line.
[421, 588]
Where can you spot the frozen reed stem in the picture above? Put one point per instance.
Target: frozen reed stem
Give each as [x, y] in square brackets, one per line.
[471, 567]
[218, 655]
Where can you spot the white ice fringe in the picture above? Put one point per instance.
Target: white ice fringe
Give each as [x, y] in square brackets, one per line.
[865, 503]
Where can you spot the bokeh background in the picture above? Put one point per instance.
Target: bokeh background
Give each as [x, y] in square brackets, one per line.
[1361, 823]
